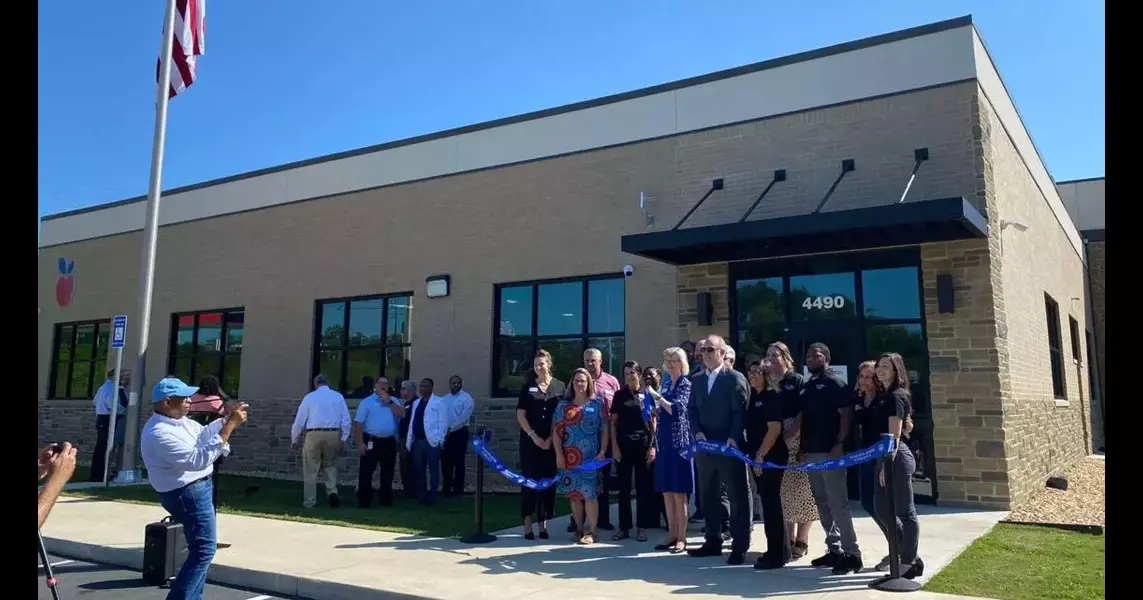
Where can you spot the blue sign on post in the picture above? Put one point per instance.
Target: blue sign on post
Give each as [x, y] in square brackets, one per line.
[119, 331]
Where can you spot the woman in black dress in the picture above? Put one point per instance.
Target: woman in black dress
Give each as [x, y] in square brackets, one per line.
[764, 443]
[891, 413]
[538, 399]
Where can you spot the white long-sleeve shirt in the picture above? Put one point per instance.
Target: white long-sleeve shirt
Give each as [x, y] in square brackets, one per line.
[322, 408]
[107, 396]
[436, 422]
[178, 452]
[460, 407]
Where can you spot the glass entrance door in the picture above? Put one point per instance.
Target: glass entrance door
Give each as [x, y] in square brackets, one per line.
[858, 304]
[844, 342]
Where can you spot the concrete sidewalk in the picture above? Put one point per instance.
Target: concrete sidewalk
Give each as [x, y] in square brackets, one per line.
[323, 562]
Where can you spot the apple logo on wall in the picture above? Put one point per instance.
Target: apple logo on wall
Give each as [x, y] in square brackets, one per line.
[65, 284]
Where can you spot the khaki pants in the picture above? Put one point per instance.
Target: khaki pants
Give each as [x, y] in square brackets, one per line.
[319, 453]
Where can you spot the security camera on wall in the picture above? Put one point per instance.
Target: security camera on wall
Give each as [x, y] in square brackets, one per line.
[628, 270]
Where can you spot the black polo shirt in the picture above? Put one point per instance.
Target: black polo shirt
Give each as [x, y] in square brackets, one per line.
[540, 406]
[627, 409]
[765, 408]
[403, 426]
[790, 388]
[874, 420]
[822, 397]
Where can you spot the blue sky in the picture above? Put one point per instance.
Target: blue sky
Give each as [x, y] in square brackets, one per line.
[285, 80]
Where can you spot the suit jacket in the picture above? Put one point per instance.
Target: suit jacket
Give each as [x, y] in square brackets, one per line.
[720, 414]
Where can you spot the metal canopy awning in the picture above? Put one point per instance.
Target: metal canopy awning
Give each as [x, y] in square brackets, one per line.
[898, 224]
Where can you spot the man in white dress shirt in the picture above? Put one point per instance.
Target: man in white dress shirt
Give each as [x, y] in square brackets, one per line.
[107, 397]
[324, 417]
[459, 403]
[427, 431]
[179, 455]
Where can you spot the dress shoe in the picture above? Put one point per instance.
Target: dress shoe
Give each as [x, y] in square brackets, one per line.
[704, 551]
[829, 559]
[915, 570]
[736, 558]
[764, 563]
[333, 501]
[848, 563]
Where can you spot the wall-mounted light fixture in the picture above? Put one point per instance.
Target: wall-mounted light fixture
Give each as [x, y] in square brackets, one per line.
[437, 286]
[645, 201]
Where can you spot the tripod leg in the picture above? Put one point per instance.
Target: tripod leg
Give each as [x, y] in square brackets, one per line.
[51, 579]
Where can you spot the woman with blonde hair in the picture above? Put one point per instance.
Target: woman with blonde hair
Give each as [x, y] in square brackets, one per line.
[673, 477]
[798, 507]
[580, 434]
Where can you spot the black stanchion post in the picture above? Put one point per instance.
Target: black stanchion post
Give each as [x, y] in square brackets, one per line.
[893, 582]
[479, 536]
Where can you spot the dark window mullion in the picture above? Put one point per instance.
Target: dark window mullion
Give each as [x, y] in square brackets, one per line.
[343, 356]
[384, 335]
[71, 358]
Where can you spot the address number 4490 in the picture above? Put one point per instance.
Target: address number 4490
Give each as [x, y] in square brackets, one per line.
[823, 302]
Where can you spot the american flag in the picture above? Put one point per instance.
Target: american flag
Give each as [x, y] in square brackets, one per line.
[189, 42]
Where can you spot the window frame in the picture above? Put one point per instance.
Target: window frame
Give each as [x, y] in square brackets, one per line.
[223, 353]
[535, 338]
[316, 345]
[1074, 332]
[1055, 348]
[54, 360]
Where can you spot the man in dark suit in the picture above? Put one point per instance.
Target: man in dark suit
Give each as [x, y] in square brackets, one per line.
[717, 413]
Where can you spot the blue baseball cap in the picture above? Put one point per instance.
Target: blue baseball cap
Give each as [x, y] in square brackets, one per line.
[171, 386]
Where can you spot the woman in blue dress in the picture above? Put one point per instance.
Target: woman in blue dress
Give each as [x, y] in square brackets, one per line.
[580, 434]
[673, 475]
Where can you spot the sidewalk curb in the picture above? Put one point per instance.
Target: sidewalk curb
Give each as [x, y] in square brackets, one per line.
[289, 586]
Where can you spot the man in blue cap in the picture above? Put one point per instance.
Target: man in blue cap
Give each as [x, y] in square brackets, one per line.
[179, 454]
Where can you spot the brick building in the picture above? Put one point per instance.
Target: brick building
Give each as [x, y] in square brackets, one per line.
[878, 195]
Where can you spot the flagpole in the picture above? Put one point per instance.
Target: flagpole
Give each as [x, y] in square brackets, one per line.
[128, 473]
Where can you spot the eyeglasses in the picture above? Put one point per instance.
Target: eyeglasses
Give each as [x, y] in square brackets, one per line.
[708, 349]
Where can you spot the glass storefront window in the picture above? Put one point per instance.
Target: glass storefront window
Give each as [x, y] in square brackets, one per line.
[891, 293]
[825, 297]
[761, 305]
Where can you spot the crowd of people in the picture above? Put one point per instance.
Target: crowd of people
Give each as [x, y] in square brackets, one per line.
[772, 413]
[646, 425]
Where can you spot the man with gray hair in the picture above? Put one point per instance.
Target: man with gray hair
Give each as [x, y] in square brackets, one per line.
[324, 417]
[605, 387]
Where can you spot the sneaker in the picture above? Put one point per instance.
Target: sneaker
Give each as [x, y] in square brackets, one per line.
[882, 566]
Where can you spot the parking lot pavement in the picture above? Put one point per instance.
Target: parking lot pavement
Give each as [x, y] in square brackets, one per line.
[79, 579]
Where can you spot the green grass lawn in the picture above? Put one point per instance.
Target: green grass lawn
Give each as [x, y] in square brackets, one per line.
[1021, 562]
[451, 517]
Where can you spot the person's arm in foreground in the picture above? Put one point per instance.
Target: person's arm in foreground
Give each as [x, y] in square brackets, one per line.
[58, 468]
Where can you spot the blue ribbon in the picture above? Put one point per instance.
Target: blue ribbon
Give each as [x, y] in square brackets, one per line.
[885, 446]
[490, 459]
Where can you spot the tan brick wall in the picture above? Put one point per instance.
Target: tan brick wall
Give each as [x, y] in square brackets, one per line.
[1041, 438]
[546, 219]
[711, 278]
[967, 386]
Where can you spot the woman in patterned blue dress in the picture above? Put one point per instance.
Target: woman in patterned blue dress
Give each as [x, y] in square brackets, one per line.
[580, 434]
[673, 475]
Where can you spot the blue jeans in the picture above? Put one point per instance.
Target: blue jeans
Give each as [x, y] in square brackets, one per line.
[868, 487]
[426, 457]
[193, 507]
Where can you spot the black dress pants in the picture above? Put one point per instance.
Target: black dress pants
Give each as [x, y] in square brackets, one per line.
[774, 524]
[383, 454]
[99, 459]
[537, 464]
[634, 466]
[452, 462]
[716, 473]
